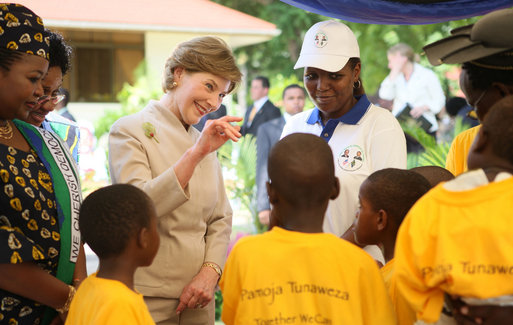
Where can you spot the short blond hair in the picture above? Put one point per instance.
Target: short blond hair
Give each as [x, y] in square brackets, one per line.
[203, 54]
[403, 49]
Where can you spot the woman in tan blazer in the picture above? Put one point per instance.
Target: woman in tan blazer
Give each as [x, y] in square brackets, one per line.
[157, 150]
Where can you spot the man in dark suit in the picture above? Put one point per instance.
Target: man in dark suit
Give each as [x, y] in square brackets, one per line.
[262, 109]
[268, 134]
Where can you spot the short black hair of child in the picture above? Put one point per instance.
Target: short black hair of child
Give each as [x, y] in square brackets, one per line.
[60, 52]
[434, 174]
[110, 215]
[300, 166]
[395, 191]
[498, 124]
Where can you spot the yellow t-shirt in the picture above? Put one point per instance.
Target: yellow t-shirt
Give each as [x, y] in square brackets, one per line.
[103, 301]
[457, 242]
[287, 277]
[405, 315]
[456, 161]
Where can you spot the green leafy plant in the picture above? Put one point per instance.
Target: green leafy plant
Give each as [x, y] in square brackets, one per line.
[239, 158]
[218, 297]
[132, 98]
[434, 154]
[239, 161]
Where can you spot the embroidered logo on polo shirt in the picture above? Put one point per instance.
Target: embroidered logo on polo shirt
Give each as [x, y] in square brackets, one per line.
[351, 158]
[320, 40]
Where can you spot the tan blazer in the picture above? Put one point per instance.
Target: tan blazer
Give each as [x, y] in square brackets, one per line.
[195, 223]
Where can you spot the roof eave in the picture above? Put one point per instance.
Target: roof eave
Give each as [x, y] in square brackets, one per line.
[73, 24]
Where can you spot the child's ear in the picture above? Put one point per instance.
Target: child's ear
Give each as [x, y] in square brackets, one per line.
[382, 220]
[143, 237]
[273, 197]
[336, 189]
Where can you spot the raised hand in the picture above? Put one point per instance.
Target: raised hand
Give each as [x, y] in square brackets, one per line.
[216, 133]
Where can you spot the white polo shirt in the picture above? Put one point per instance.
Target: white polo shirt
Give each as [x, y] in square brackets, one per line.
[374, 132]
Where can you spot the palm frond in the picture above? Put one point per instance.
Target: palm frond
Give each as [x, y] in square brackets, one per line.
[435, 156]
[247, 160]
[434, 153]
[240, 160]
[459, 126]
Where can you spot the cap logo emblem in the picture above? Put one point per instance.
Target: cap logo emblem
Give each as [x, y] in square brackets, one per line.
[320, 40]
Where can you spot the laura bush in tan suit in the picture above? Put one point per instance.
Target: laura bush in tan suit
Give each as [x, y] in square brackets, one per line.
[157, 150]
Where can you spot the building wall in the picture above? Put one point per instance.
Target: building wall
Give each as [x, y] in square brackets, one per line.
[102, 62]
[159, 45]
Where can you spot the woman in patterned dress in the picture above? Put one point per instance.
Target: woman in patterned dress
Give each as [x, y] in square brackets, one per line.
[39, 191]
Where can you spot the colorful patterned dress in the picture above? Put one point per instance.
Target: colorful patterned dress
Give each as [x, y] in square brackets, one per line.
[29, 229]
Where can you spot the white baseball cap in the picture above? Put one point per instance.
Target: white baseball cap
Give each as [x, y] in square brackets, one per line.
[328, 45]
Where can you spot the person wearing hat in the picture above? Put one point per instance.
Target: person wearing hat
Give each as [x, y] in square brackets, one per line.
[452, 224]
[345, 119]
[40, 196]
[454, 250]
[486, 54]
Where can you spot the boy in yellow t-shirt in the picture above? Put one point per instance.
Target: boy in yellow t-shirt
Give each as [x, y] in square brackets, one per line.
[385, 198]
[455, 244]
[119, 223]
[295, 273]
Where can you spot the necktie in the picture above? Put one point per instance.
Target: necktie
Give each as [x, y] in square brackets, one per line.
[252, 113]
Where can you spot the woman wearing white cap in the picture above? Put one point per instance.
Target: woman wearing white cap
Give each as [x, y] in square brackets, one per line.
[348, 121]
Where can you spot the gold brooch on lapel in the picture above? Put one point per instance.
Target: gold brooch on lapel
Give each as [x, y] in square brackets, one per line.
[149, 131]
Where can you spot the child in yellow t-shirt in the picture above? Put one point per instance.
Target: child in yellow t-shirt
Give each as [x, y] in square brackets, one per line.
[385, 198]
[455, 244]
[119, 223]
[295, 273]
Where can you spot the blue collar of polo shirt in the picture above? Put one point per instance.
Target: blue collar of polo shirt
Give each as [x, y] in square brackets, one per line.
[354, 115]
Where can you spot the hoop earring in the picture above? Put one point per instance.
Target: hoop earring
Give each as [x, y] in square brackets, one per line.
[357, 84]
